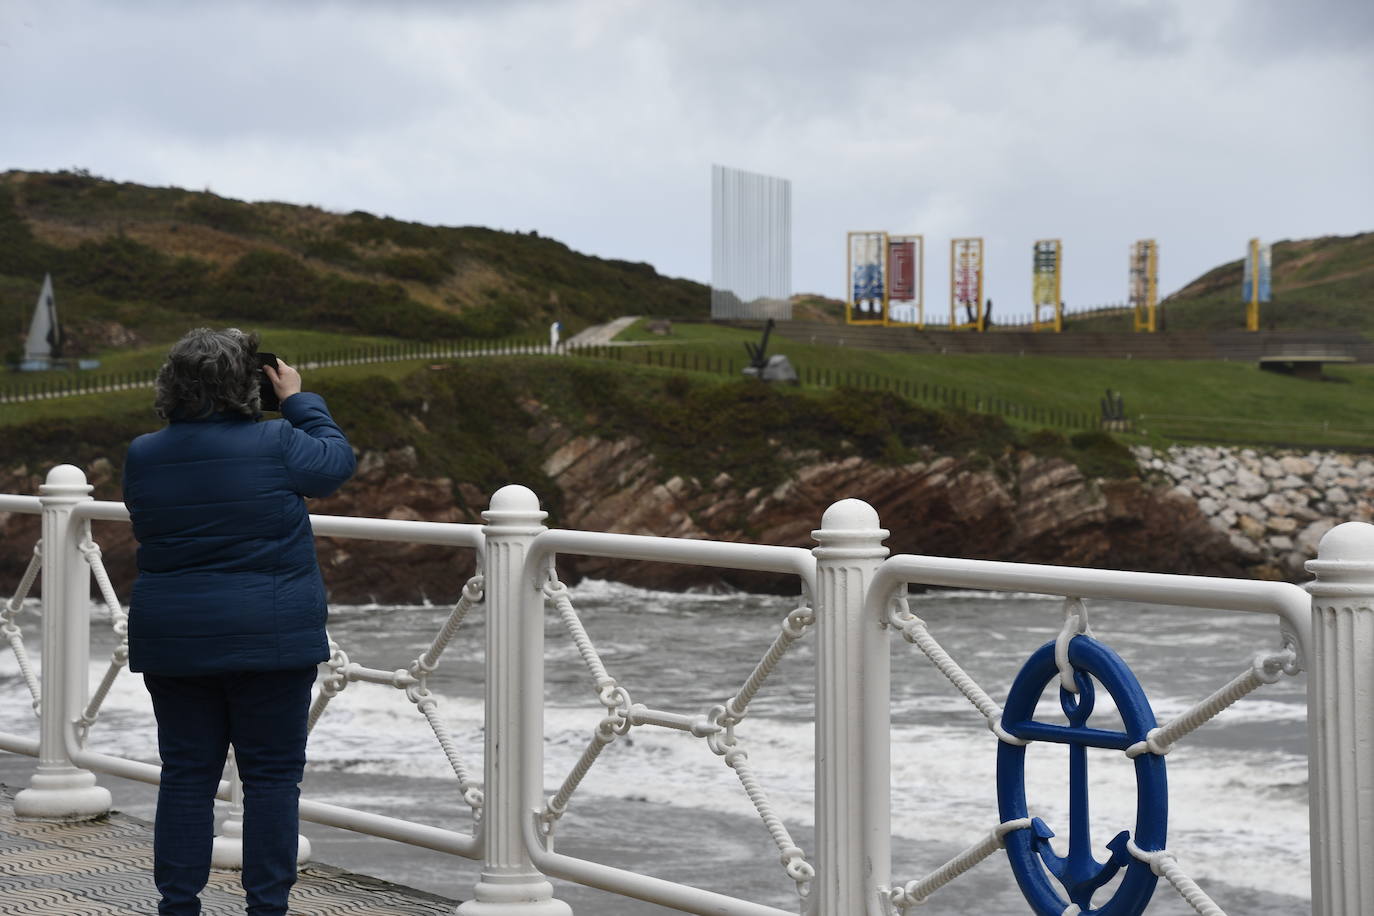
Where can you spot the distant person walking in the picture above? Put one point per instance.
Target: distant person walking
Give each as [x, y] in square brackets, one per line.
[227, 617]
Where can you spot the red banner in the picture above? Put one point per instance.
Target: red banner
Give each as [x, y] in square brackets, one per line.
[901, 271]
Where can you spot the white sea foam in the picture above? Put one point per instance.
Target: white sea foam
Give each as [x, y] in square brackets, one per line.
[616, 592]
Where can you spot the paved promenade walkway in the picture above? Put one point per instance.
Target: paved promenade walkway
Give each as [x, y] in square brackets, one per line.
[104, 868]
[599, 335]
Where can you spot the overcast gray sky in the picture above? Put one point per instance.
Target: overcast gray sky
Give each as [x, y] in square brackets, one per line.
[1197, 123]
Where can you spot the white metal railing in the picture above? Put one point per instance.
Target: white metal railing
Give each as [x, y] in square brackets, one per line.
[853, 603]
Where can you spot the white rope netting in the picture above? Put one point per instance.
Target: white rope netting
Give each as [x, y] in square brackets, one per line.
[915, 893]
[914, 631]
[1265, 668]
[414, 681]
[13, 635]
[717, 726]
[1163, 863]
[119, 623]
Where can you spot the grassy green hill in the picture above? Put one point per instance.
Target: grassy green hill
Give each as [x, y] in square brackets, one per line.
[1167, 400]
[1319, 284]
[138, 264]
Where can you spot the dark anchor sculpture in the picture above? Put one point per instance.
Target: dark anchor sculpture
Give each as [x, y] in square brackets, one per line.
[1079, 873]
[1113, 407]
[1114, 412]
[776, 368]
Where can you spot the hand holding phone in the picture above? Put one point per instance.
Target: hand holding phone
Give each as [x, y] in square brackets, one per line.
[279, 381]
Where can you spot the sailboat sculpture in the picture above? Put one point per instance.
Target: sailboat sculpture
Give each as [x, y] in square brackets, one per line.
[44, 344]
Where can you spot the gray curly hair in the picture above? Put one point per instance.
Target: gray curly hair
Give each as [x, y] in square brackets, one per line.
[209, 372]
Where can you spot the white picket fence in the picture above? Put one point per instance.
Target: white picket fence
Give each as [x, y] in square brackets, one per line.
[852, 604]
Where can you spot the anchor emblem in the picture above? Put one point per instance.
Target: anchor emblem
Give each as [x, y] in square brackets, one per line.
[1079, 873]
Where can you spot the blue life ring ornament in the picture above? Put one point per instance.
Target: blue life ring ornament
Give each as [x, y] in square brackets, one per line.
[1028, 848]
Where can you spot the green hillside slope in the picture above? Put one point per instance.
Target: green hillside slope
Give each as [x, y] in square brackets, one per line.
[1318, 284]
[145, 262]
[1321, 283]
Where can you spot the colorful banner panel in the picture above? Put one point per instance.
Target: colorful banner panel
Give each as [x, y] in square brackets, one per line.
[866, 278]
[1142, 270]
[905, 280]
[1144, 287]
[1045, 275]
[967, 269]
[867, 265]
[1265, 255]
[901, 274]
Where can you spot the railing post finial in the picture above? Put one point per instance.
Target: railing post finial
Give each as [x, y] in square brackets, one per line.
[852, 715]
[59, 790]
[1340, 720]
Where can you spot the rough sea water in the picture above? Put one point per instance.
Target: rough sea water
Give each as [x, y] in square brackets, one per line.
[661, 802]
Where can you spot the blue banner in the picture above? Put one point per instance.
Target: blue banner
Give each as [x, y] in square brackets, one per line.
[868, 282]
[1266, 262]
[1247, 281]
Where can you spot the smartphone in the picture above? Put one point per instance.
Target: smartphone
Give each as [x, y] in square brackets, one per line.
[269, 394]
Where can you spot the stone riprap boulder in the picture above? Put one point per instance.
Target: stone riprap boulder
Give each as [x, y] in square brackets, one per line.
[1274, 506]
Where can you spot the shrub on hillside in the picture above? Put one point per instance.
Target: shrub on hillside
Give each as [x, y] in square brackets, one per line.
[424, 267]
[269, 285]
[364, 228]
[20, 253]
[220, 213]
[264, 284]
[332, 250]
[1098, 454]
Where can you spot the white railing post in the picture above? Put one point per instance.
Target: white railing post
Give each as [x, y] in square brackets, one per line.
[513, 767]
[227, 851]
[1340, 721]
[59, 790]
[852, 717]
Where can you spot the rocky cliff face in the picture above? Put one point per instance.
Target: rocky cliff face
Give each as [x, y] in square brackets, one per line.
[1016, 506]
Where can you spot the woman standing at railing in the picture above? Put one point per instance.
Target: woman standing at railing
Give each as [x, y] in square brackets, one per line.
[227, 616]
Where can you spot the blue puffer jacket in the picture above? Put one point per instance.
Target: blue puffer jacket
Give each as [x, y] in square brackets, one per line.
[227, 576]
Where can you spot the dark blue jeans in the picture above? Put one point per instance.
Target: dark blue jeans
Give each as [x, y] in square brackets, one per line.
[263, 715]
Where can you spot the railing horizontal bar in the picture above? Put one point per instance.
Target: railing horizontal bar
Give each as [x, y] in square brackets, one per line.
[728, 554]
[642, 887]
[124, 768]
[18, 744]
[1289, 602]
[442, 534]
[391, 828]
[101, 510]
[378, 825]
[28, 505]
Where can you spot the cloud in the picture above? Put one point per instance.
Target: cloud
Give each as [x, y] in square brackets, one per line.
[1267, 27]
[596, 121]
